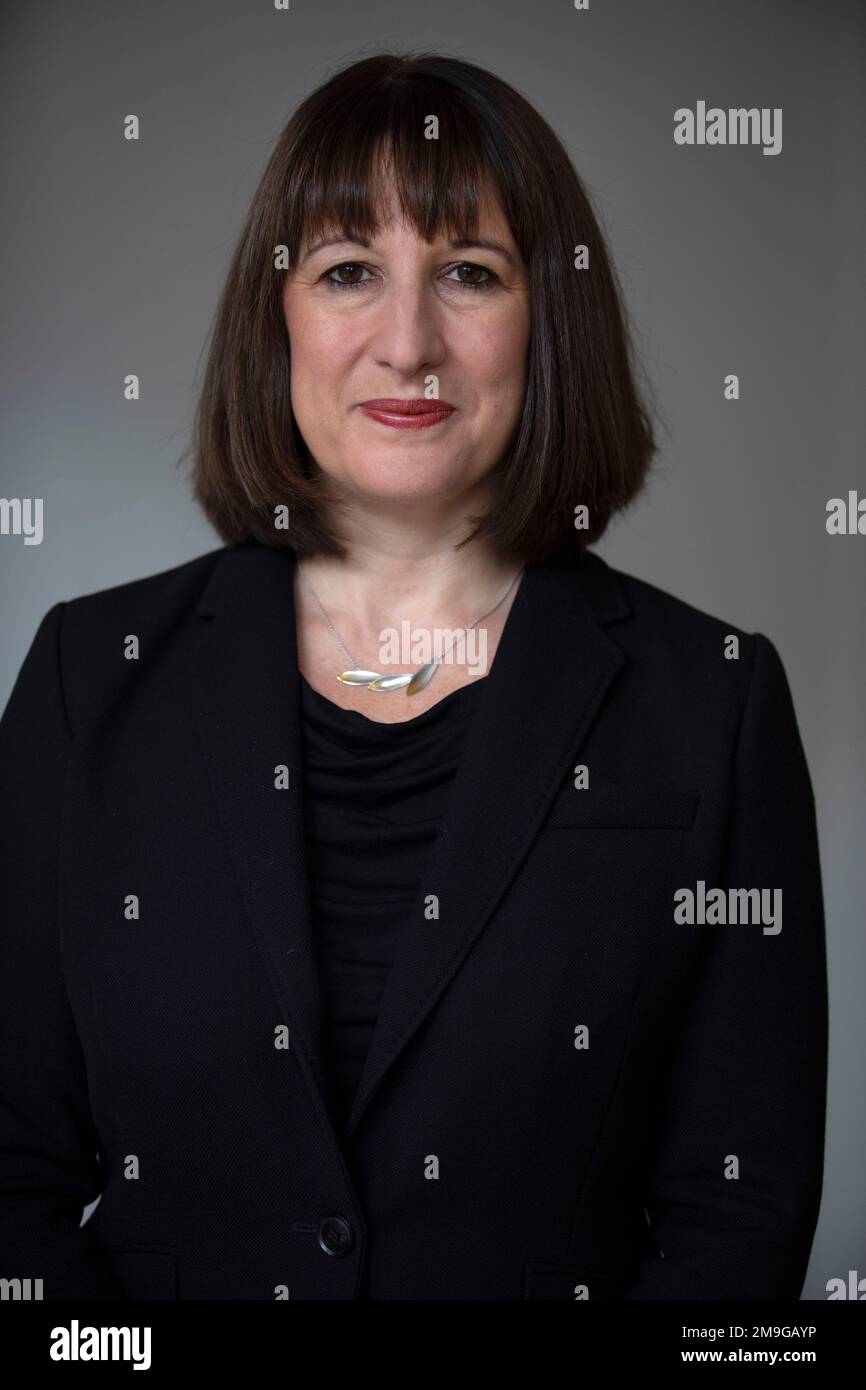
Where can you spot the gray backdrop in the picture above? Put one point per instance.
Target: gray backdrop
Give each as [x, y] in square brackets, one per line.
[732, 261]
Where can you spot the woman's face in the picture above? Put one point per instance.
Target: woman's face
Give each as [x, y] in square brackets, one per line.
[378, 322]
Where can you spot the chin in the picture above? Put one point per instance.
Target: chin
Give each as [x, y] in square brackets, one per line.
[404, 478]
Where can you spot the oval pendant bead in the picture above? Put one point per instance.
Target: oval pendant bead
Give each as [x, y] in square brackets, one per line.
[422, 677]
[391, 682]
[358, 677]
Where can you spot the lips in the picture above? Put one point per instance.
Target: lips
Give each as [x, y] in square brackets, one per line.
[407, 414]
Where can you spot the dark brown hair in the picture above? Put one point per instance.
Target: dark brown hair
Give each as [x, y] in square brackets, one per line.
[584, 435]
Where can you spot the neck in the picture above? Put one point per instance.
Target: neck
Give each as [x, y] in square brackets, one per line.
[396, 570]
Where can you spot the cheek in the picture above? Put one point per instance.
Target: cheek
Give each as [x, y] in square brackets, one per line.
[307, 340]
[317, 340]
[498, 354]
[501, 372]
[316, 373]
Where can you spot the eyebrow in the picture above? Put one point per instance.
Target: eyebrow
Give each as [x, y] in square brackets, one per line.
[461, 244]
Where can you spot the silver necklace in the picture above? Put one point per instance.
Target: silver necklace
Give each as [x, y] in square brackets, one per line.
[412, 681]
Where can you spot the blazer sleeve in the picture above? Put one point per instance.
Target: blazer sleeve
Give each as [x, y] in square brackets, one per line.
[48, 1142]
[749, 1072]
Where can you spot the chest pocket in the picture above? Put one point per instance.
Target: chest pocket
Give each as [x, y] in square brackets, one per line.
[625, 807]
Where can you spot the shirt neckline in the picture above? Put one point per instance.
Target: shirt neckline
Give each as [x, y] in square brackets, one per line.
[357, 720]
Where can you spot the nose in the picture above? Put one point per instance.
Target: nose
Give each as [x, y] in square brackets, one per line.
[408, 333]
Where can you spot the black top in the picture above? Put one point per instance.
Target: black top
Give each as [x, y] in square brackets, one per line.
[374, 796]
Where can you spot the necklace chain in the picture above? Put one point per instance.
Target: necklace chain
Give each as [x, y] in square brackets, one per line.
[348, 654]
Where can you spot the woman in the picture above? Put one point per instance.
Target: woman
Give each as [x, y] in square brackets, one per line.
[345, 958]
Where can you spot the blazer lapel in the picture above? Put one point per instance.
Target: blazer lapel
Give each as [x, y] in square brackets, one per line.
[243, 672]
[550, 674]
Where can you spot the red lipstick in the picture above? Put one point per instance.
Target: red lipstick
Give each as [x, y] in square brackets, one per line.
[407, 414]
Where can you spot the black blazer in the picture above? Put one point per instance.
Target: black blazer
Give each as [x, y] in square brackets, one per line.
[569, 1092]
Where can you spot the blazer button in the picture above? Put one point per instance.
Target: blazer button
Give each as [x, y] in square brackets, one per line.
[336, 1236]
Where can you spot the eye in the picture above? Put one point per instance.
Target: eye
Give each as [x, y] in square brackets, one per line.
[472, 267]
[342, 284]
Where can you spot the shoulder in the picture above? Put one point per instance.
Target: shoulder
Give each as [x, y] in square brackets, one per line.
[698, 682]
[94, 630]
[164, 594]
[658, 611]
[699, 658]
[74, 636]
